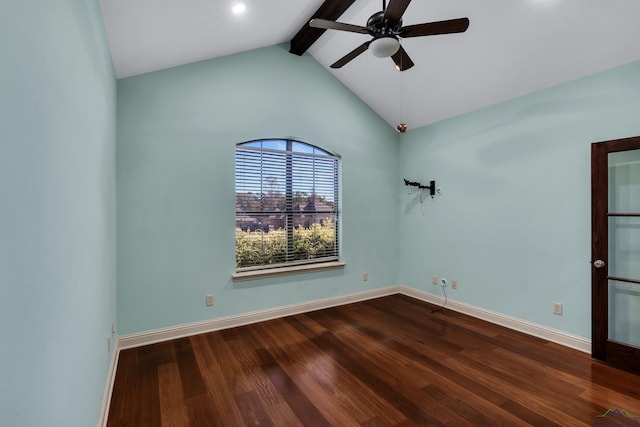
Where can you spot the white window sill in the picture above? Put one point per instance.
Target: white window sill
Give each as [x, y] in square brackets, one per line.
[284, 271]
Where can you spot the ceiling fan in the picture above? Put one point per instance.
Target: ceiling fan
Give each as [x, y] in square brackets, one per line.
[386, 29]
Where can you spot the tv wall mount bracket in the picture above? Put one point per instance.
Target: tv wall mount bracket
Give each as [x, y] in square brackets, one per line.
[431, 187]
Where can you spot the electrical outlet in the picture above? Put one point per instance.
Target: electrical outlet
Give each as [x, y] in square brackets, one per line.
[434, 280]
[454, 284]
[113, 329]
[365, 276]
[557, 308]
[209, 300]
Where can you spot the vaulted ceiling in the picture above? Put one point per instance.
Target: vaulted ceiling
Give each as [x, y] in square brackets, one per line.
[511, 48]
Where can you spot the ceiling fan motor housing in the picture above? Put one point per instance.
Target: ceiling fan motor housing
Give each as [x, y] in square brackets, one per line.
[377, 27]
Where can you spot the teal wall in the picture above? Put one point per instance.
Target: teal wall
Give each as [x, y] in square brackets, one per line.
[57, 221]
[513, 225]
[177, 131]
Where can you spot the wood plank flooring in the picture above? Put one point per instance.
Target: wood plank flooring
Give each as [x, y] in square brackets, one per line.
[384, 362]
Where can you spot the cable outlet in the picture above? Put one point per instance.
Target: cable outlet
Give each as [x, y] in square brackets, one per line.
[557, 308]
[443, 282]
[209, 300]
[434, 280]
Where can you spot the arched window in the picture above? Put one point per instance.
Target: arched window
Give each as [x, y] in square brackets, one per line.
[286, 204]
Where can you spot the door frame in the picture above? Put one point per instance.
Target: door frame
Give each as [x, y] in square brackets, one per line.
[602, 348]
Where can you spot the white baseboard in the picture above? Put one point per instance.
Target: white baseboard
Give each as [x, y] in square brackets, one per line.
[180, 331]
[549, 334]
[108, 388]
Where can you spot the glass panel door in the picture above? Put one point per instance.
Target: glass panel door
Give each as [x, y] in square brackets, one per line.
[615, 252]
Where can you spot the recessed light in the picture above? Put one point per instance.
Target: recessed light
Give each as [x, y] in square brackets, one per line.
[238, 8]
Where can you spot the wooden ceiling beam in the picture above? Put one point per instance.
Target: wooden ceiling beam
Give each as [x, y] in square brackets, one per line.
[331, 10]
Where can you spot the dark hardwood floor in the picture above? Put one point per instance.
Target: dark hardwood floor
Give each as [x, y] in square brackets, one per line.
[383, 362]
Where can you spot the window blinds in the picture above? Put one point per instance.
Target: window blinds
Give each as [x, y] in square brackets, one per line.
[286, 204]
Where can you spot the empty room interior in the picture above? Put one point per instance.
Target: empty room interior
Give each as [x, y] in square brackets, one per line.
[446, 192]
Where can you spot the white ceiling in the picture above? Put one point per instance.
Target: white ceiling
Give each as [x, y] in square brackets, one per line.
[512, 47]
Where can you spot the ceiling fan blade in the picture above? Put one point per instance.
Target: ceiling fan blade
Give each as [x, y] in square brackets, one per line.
[459, 25]
[395, 9]
[351, 55]
[402, 60]
[332, 25]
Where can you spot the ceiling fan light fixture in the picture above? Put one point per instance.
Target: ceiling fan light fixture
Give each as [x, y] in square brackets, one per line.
[383, 47]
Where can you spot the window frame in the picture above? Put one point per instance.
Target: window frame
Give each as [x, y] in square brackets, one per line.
[303, 155]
